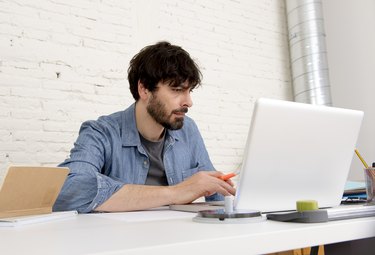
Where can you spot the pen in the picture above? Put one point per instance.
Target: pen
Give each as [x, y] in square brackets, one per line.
[227, 176]
[360, 157]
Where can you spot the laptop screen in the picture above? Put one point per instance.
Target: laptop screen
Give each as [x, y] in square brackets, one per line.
[296, 151]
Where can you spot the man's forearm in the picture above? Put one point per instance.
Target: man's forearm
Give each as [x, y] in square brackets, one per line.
[133, 197]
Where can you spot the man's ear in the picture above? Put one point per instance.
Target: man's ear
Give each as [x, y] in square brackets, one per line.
[142, 91]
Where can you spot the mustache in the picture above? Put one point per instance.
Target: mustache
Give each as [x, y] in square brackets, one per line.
[181, 110]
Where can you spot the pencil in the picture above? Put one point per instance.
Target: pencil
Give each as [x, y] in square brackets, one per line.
[360, 157]
[227, 176]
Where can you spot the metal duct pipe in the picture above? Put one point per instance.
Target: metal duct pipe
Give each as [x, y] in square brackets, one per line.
[308, 52]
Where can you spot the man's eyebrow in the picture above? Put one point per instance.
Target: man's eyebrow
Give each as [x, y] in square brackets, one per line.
[181, 86]
[185, 85]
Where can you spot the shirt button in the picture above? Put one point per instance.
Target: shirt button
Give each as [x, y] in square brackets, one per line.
[145, 163]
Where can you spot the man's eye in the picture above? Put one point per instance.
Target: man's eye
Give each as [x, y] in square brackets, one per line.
[177, 89]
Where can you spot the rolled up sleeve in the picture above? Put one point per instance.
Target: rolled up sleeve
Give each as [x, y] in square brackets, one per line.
[86, 187]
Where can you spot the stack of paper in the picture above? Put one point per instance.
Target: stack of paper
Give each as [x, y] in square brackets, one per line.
[353, 187]
[24, 220]
[355, 192]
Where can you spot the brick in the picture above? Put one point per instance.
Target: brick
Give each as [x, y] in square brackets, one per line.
[66, 62]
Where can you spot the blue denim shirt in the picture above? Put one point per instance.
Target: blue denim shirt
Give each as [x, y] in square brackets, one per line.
[108, 154]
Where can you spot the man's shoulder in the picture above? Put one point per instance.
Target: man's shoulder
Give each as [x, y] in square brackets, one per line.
[111, 118]
[105, 120]
[112, 122]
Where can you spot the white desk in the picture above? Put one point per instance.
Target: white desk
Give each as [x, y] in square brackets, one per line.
[98, 234]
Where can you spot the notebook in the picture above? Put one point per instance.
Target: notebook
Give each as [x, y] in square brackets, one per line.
[29, 190]
[295, 151]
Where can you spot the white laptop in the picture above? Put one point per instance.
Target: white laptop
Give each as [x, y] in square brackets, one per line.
[295, 151]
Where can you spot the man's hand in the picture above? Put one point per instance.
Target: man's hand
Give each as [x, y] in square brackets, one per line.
[203, 183]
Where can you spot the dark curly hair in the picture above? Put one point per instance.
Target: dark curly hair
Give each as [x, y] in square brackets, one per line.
[162, 62]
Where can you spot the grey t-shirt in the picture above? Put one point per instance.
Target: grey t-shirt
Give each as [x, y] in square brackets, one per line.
[156, 174]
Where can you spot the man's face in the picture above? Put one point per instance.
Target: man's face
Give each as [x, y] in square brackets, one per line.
[168, 105]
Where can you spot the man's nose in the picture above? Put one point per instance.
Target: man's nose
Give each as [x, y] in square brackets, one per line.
[188, 102]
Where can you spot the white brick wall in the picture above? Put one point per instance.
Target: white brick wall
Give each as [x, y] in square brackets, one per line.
[63, 62]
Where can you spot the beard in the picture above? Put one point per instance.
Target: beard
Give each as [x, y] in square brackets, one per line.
[158, 112]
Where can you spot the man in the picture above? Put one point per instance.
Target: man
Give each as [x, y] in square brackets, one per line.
[149, 155]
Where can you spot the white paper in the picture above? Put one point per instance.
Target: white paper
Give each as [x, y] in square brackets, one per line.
[148, 215]
[31, 219]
